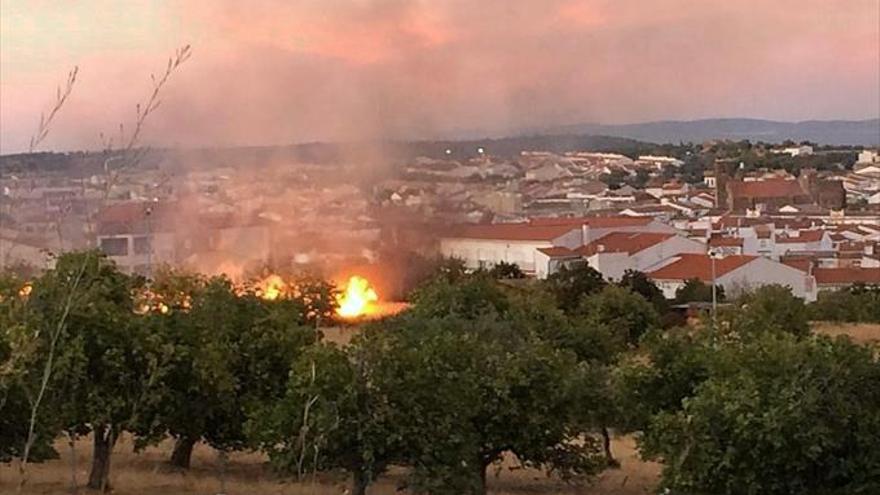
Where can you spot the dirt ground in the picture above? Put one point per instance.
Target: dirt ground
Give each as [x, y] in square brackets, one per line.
[859, 332]
[247, 474]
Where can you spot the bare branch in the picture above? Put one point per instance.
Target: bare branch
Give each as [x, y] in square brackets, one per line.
[142, 112]
[46, 121]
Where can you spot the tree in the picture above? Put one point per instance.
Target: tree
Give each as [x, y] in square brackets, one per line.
[769, 308]
[776, 416]
[669, 368]
[465, 391]
[467, 297]
[639, 283]
[18, 355]
[332, 415]
[622, 316]
[223, 354]
[570, 284]
[628, 314]
[98, 356]
[857, 303]
[695, 290]
[504, 270]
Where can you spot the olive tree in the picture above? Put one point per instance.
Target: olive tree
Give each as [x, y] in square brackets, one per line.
[776, 416]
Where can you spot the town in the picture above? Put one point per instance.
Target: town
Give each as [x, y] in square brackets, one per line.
[738, 214]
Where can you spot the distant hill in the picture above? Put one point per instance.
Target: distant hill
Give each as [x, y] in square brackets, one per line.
[833, 132]
[387, 152]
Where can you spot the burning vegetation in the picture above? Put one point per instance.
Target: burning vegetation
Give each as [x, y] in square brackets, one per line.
[356, 299]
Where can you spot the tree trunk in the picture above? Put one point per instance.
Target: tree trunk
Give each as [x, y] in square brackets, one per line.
[360, 481]
[71, 443]
[104, 438]
[182, 453]
[606, 444]
[481, 488]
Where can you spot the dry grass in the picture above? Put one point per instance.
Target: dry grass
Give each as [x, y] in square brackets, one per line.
[859, 332]
[147, 473]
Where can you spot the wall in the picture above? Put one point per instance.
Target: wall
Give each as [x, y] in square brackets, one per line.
[488, 252]
[763, 271]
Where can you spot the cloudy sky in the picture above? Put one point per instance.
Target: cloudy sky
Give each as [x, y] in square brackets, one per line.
[281, 71]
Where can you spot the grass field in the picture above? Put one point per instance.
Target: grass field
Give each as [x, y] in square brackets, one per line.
[247, 474]
[859, 332]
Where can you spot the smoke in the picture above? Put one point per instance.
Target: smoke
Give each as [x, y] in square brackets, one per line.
[273, 71]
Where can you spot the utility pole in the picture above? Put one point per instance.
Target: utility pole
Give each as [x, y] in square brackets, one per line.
[148, 212]
[712, 256]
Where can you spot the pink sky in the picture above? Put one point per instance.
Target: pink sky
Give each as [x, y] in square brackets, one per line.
[272, 71]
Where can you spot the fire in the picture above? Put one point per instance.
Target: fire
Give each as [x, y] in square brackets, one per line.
[358, 298]
[25, 290]
[272, 287]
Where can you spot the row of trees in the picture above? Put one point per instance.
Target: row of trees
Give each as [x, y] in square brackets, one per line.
[481, 366]
[858, 303]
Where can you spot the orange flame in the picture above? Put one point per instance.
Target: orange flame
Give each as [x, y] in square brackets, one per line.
[272, 287]
[358, 298]
[25, 290]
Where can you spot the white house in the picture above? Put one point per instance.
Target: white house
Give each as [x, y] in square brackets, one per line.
[735, 273]
[805, 241]
[617, 252]
[869, 156]
[802, 150]
[540, 246]
[518, 243]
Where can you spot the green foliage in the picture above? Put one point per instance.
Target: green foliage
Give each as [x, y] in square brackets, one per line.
[504, 270]
[467, 297]
[694, 290]
[102, 360]
[468, 390]
[639, 283]
[221, 355]
[626, 313]
[857, 304]
[672, 366]
[776, 416]
[18, 347]
[570, 284]
[769, 308]
[332, 415]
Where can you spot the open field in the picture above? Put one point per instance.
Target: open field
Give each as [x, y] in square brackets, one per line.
[859, 332]
[147, 473]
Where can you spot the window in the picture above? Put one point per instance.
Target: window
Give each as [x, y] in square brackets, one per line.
[141, 245]
[115, 246]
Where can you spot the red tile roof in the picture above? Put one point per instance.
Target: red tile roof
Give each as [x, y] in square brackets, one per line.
[802, 264]
[558, 252]
[512, 232]
[726, 242]
[623, 242]
[699, 266]
[595, 222]
[839, 276]
[803, 236]
[138, 217]
[769, 188]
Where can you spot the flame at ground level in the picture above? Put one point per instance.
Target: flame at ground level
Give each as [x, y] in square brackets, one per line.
[358, 299]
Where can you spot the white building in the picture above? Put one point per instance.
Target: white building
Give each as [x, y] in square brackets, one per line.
[806, 241]
[869, 156]
[802, 150]
[487, 245]
[618, 252]
[539, 246]
[735, 273]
